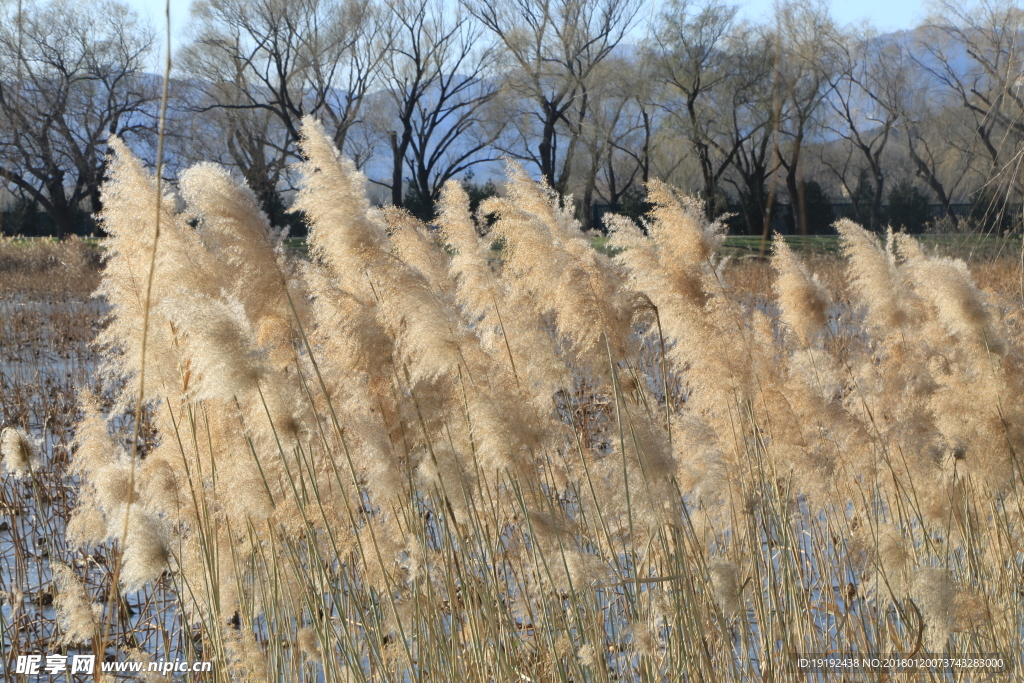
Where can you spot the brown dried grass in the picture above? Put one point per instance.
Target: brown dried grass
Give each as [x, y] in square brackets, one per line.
[41, 267]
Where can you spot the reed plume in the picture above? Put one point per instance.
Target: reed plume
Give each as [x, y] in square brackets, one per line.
[18, 451]
[492, 451]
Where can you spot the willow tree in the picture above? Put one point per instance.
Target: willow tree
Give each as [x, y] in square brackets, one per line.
[71, 74]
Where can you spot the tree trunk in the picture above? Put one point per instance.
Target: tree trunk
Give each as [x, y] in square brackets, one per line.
[61, 211]
[794, 189]
[925, 172]
[646, 165]
[398, 150]
[876, 201]
[547, 145]
[586, 211]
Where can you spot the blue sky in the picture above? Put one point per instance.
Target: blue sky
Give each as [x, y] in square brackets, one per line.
[886, 15]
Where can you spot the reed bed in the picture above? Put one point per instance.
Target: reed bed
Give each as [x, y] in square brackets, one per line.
[402, 459]
[44, 268]
[47, 323]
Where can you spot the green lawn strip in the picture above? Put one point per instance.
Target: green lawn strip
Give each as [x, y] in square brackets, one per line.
[965, 246]
[743, 245]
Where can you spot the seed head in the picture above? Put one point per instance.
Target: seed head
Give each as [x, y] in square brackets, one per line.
[18, 451]
[935, 591]
[725, 580]
[76, 612]
[309, 644]
[145, 555]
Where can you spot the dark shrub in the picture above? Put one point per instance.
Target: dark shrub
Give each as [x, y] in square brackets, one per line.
[818, 208]
[908, 207]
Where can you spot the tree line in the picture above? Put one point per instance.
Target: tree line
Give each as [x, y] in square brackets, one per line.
[595, 96]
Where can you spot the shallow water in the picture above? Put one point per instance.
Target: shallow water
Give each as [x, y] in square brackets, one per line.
[45, 360]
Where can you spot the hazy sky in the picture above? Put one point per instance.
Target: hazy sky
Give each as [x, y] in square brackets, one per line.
[886, 15]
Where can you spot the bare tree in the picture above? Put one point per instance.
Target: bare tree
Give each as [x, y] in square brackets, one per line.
[261, 65]
[931, 131]
[436, 68]
[605, 126]
[620, 131]
[752, 124]
[71, 74]
[253, 140]
[552, 48]
[696, 63]
[803, 69]
[976, 53]
[867, 85]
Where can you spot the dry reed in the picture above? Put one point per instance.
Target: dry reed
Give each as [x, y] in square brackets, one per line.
[401, 461]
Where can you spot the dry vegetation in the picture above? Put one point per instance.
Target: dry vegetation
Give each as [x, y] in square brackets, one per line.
[46, 269]
[395, 461]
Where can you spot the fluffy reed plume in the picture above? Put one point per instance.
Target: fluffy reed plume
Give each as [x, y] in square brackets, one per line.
[726, 582]
[309, 644]
[77, 614]
[18, 451]
[479, 287]
[959, 306]
[875, 277]
[182, 265]
[414, 453]
[218, 336]
[934, 590]
[801, 297]
[552, 270]
[145, 550]
[245, 656]
[514, 338]
[239, 236]
[894, 560]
